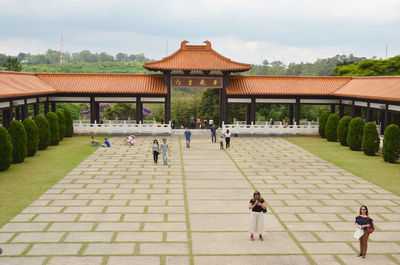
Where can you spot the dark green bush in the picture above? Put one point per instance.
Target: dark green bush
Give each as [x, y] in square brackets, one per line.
[391, 143]
[44, 131]
[6, 149]
[323, 118]
[354, 135]
[331, 127]
[18, 140]
[342, 130]
[69, 127]
[32, 133]
[54, 129]
[61, 124]
[370, 139]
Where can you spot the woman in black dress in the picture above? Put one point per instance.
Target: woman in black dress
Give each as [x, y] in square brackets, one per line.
[365, 222]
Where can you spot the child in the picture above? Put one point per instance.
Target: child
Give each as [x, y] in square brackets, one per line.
[221, 143]
[106, 143]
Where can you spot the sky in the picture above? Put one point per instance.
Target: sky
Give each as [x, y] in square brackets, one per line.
[247, 31]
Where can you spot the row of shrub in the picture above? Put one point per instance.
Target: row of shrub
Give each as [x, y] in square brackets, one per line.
[359, 135]
[25, 138]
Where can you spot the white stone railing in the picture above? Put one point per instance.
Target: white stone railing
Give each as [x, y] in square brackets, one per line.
[276, 129]
[124, 128]
[116, 122]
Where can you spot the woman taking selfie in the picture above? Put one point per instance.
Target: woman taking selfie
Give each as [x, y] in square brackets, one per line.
[366, 224]
[258, 207]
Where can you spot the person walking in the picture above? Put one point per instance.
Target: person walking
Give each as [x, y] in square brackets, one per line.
[155, 148]
[258, 207]
[228, 139]
[213, 134]
[367, 225]
[164, 149]
[187, 133]
[221, 143]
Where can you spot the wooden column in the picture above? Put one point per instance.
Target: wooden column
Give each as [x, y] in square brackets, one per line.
[387, 119]
[223, 104]
[139, 110]
[25, 110]
[291, 112]
[53, 106]
[333, 108]
[248, 114]
[36, 108]
[168, 97]
[297, 111]
[92, 110]
[97, 105]
[382, 121]
[46, 107]
[5, 116]
[368, 116]
[17, 113]
[10, 113]
[253, 110]
[353, 110]
[341, 111]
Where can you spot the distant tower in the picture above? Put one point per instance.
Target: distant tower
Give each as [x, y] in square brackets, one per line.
[62, 59]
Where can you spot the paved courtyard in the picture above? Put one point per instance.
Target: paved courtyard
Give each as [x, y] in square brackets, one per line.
[118, 208]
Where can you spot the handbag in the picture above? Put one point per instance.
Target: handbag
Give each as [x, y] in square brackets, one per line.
[370, 229]
[359, 232]
[265, 210]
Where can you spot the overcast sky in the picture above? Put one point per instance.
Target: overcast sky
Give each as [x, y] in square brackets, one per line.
[243, 30]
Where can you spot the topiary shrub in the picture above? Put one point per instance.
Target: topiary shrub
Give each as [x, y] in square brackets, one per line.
[331, 127]
[44, 131]
[354, 135]
[323, 118]
[32, 134]
[342, 130]
[391, 143]
[69, 127]
[61, 124]
[370, 139]
[18, 140]
[6, 149]
[54, 129]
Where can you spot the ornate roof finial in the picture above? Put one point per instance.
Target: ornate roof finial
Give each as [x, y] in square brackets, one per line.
[208, 44]
[183, 44]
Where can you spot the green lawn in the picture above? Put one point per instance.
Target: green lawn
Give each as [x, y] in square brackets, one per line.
[23, 183]
[371, 168]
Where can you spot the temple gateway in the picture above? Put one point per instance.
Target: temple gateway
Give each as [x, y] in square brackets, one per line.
[199, 66]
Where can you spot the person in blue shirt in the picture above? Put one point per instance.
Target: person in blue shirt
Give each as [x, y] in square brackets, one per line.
[106, 143]
[188, 133]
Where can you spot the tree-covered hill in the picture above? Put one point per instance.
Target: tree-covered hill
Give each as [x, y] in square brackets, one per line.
[370, 67]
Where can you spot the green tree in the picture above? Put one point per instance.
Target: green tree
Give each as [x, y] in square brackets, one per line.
[331, 127]
[355, 133]
[54, 128]
[6, 149]
[61, 124]
[342, 130]
[69, 126]
[44, 131]
[18, 141]
[391, 144]
[209, 106]
[323, 118]
[370, 139]
[32, 133]
[12, 64]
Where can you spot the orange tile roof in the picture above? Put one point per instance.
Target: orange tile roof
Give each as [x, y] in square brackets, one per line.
[14, 84]
[284, 85]
[106, 83]
[197, 58]
[382, 87]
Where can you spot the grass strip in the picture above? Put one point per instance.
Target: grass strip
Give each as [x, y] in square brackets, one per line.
[371, 168]
[23, 183]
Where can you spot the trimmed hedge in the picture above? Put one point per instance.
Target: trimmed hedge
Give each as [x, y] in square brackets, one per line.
[18, 140]
[391, 143]
[32, 133]
[354, 135]
[331, 127]
[69, 127]
[370, 139]
[61, 124]
[6, 149]
[44, 131]
[323, 118]
[342, 129]
[54, 129]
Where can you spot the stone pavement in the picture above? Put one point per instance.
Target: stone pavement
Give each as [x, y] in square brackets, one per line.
[118, 208]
